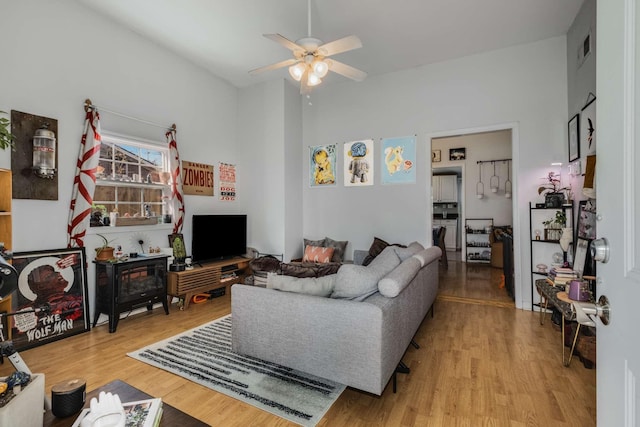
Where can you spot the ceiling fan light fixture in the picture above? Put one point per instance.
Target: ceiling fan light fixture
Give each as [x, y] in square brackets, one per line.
[297, 71]
[313, 80]
[320, 68]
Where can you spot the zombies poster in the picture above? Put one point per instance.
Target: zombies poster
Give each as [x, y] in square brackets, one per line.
[51, 301]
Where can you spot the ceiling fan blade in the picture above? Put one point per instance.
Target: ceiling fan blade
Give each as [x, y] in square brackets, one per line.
[285, 42]
[341, 45]
[346, 70]
[280, 64]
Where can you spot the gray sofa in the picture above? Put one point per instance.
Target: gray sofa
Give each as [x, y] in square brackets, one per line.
[357, 341]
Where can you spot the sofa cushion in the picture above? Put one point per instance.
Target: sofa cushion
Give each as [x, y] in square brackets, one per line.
[427, 255]
[412, 249]
[376, 247]
[318, 286]
[317, 254]
[339, 248]
[307, 242]
[357, 282]
[393, 283]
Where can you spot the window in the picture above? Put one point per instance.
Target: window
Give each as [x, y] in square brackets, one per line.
[132, 177]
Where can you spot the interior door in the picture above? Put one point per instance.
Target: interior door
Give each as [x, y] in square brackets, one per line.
[618, 205]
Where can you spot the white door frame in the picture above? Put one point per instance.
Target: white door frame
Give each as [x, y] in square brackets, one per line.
[517, 228]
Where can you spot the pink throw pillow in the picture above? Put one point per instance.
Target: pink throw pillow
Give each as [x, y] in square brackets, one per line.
[317, 254]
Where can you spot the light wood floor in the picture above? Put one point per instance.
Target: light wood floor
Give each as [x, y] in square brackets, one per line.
[481, 363]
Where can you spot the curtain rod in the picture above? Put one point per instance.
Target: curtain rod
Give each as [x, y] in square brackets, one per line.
[89, 105]
[493, 161]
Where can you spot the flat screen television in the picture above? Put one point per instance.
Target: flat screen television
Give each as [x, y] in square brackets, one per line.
[217, 237]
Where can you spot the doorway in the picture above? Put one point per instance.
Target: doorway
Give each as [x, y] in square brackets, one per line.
[478, 160]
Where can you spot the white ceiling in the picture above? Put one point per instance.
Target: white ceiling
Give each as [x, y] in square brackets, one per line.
[225, 36]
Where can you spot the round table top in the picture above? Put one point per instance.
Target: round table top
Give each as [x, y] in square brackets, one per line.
[563, 296]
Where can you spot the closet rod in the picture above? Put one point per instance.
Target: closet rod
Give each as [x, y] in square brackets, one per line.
[493, 161]
[89, 105]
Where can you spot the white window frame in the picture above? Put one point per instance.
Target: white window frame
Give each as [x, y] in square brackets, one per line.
[124, 140]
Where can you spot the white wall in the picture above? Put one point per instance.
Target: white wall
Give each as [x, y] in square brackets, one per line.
[524, 86]
[269, 134]
[56, 54]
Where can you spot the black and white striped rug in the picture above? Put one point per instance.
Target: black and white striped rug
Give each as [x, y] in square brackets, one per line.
[204, 355]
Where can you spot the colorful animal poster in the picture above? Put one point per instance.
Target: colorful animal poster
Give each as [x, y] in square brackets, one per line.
[358, 163]
[322, 165]
[398, 160]
[227, 175]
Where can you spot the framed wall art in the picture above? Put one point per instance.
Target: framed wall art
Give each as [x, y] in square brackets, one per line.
[587, 219]
[457, 154]
[52, 292]
[574, 138]
[436, 156]
[588, 129]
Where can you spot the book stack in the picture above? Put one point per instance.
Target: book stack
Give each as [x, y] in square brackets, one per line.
[561, 276]
[142, 413]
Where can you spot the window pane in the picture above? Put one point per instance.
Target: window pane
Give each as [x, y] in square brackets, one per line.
[125, 209]
[151, 157]
[104, 193]
[129, 194]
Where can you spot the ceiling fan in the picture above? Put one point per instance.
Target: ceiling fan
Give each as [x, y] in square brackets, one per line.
[310, 62]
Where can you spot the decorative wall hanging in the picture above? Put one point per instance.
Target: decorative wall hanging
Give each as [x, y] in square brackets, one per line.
[587, 219]
[35, 159]
[457, 154]
[574, 138]
[322, 165]
[398, 160]
[588, 129]
[197, 178]
[358, 163]
[436, 156]
[84, 183]
[227, 174]
[52, 286]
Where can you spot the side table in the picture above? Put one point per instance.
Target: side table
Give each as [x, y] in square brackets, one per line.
[560, 300]
[127, 393]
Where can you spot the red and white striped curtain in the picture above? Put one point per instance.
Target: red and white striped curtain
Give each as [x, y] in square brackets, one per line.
[177, 196]
[84, 183]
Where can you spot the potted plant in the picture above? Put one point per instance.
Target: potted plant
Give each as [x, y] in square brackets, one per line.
[104, 252]
[6, 138]
[553, 227]
[553, 196]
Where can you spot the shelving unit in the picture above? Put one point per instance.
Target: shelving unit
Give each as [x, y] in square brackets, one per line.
[478, 246]
[5, 208]
[543, 248]
[206, 277]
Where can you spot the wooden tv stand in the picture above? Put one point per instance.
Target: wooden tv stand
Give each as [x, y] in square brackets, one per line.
[205, 277]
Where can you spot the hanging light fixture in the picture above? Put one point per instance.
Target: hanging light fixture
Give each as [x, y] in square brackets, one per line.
[479, 185]
[507, 183]
[494, 181]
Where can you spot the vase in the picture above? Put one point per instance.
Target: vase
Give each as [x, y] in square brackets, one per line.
[566, 238]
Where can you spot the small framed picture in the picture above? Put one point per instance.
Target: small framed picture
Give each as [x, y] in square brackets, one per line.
[436, 156]
[457, 154]
[173, 237]
[574, 138]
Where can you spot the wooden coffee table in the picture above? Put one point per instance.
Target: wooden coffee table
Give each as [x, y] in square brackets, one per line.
[127, 393]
